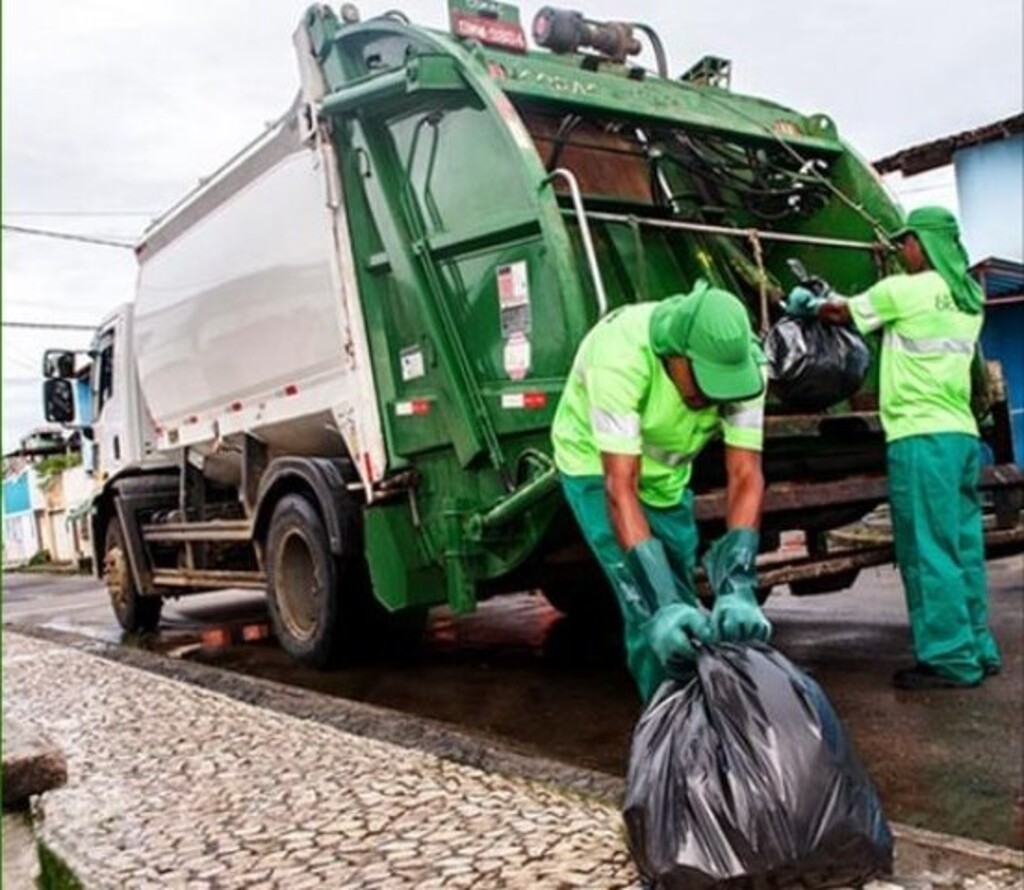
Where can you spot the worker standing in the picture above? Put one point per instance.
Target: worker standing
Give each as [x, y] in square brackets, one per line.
[931, 319]
[651, 384]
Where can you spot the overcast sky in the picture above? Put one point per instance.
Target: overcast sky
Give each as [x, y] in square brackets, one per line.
[114, 107]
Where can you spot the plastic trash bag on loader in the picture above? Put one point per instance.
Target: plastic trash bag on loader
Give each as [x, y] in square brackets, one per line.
[814, 365]
[743, 777]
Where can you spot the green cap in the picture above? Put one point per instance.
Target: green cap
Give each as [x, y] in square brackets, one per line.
[937, 230]
[712, 329]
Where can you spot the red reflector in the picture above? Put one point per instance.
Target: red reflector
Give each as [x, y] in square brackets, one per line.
[420, 406]
[236, 406]
[534, 400]
[291, 389]
[192, 419]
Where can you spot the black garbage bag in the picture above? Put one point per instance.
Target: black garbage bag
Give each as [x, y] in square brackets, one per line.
[743, 777]
[814, 365]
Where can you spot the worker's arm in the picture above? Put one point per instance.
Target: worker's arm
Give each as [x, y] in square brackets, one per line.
[731, 561]
[745, 488]
[621, 485]
[836, 311]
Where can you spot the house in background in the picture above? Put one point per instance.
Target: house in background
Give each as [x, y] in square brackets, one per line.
[988, 164]
[21, 499]
[39, 507]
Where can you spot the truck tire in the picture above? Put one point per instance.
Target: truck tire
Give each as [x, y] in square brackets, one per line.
[135, 613]
[304, 584]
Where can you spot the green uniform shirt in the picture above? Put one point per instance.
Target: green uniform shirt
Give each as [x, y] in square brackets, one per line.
[619, 399]
[927, 348]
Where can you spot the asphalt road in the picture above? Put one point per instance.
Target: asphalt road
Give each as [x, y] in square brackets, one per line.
[517, 671]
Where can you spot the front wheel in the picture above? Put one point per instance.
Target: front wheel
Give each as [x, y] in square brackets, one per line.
[135, 613]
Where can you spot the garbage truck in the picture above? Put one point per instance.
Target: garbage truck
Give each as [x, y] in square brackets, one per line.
[338, 375]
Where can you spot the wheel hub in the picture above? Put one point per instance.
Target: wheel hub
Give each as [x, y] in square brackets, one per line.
[115, 575]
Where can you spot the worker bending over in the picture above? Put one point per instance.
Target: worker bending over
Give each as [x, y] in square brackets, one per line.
[651, 384]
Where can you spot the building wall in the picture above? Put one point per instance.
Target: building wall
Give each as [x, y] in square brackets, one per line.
[990, 192]
[37, 519]
[21, 541]
[21, 535]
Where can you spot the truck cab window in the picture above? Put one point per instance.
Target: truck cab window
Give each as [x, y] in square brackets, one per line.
[103, 374]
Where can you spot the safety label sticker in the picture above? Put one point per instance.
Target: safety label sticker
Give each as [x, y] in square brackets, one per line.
[514, 299]
[411, 360]
[517, 356]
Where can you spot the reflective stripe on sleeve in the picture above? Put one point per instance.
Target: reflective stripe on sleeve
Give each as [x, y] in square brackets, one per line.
[928, 345]
[750, 417]
[868, 317]
[624, 426]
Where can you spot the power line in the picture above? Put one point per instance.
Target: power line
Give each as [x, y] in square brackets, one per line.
[44, 326]
[66, 236]
[85, 213]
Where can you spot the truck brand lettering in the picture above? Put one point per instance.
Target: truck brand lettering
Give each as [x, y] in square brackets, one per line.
[556, 82]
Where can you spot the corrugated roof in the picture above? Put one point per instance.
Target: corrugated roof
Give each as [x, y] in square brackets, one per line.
[939, 152]
[1000, 279]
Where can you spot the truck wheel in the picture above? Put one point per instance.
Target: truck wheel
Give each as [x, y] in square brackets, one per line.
[303, 578]
[135, 613]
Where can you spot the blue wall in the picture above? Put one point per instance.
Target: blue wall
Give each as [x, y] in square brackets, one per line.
[990, 192]
[17, 497]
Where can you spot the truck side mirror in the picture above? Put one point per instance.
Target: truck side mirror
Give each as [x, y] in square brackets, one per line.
[58, 363]
[59, 400]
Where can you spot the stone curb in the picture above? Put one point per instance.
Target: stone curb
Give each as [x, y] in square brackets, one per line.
[32, 764]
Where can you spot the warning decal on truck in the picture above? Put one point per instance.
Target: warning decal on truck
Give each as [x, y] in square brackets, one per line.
[514, 299]
[517, 356]
[411, 360]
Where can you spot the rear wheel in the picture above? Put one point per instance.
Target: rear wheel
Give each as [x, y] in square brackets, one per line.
[302, 578]
[321, 605]
[135, 613]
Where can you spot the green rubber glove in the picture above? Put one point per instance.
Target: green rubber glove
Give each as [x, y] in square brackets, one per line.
[802, 302]
[730, 565]
[672, 624]
[673, 634]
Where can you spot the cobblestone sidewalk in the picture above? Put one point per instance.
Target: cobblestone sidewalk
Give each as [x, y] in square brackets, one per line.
[171, 785]
[174, 786]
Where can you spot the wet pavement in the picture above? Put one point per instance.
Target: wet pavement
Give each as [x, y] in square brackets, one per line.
[517, 672]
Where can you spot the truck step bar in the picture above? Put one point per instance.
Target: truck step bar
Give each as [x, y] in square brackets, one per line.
[208, 579]
[221, 530]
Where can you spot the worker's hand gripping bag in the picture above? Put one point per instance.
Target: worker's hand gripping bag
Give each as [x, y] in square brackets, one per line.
[814, 365]
[743, 777]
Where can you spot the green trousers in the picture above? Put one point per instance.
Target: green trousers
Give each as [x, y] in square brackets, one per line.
[674, 527]
[939, 542]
